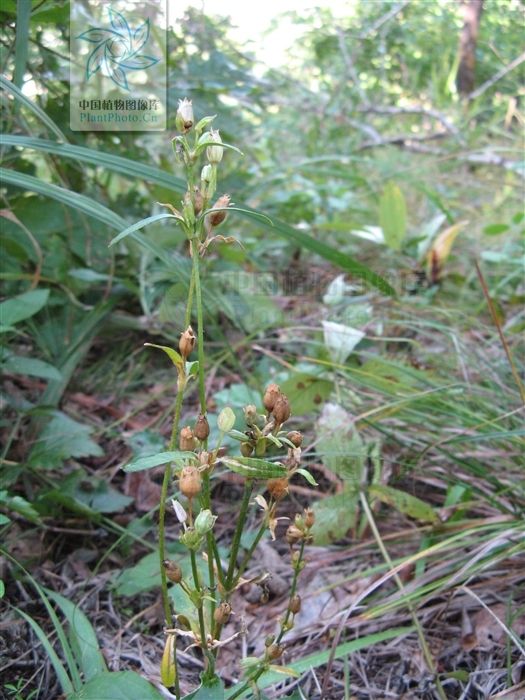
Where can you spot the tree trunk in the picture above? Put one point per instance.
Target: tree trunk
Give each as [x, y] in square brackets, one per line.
[467, 46]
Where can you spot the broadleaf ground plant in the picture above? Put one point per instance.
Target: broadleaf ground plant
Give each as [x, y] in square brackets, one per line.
[191, 466]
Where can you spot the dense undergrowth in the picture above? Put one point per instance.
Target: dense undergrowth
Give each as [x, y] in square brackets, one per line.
[385, 298]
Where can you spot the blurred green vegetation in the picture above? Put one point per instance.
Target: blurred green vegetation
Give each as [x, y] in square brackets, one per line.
[362, 152]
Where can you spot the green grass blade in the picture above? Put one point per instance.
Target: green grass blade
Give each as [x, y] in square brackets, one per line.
[23, 13]
[71, 199]
[321, 657]
[83, 638]
[132, 169]
[140, 224]
[8, 86]
[61, 672]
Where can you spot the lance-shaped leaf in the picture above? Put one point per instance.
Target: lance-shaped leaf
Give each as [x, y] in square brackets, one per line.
[140, 224]
[142, 463]
[404, 503]
[254, 468]
[170, 352]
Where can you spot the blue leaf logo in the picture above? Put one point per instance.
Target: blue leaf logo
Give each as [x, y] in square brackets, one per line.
[117, 49]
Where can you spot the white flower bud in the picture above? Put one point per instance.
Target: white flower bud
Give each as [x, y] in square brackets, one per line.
[214, 153]
[184, 118]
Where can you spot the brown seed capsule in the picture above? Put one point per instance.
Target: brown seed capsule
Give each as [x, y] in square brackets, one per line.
[309, 517]
[281, 409]
[246, 449]
[295, 438]
[271, 395]
[293, 534]
[190, 482]
[173, 571]
[186, 439]
[295, 604]
[275, 651]
[202, 428]
[278, 488]
[222, 613]
[187, 342]
[198, 201]
[217, 217]
[204, 458]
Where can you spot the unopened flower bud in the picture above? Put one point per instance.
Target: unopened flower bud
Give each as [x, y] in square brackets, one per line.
[191, 539]
[295, 604]
[205, 521]
[295, 438]
[204, 458]
[309, 517]
[173, 571]
[184, 118]
[186, 439]
[275, 651]
[270, 639]
[293, 534]
[278, 488]
[217, 217]
[281, 409]
[222, 613]
[202, 428]
[187, 342]
[271, 395]
[215, 151]
[246, 449]
[190, 482]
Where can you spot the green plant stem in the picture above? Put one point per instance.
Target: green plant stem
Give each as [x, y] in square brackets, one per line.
[210, 541]
[196, 581]
[282, 632]
[246, 559]
[200, 322]
[248, 487]
[427, 654]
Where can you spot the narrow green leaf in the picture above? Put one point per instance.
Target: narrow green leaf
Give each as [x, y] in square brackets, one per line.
[120, 685]
[404, 503]
[309, 478]
[170, 352]
[60, 670]
[8, 86]
[140, 224]
[393, 215]
[23, 306]
[138, 465]
[30, 366]
[83, 638]
[23, 13]
[255, 468]
[71, 199]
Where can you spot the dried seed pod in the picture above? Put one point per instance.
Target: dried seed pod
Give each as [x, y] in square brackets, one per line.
[217, 217]
[275, 651]
[246, 449]
[198, 201]
[202, 428]
[187, 439]
[271, 395]
[173, 571]
[190, 482]
[281, 410]
[187, 342]
[293, 534]
[295, 438]
[222, 613]
[278, 488]
[309, 518]
[295, 604]
[250, 414]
